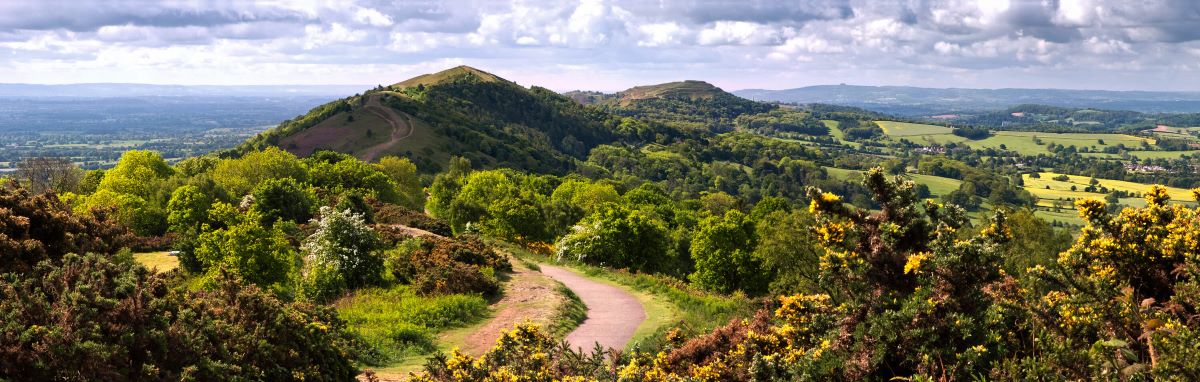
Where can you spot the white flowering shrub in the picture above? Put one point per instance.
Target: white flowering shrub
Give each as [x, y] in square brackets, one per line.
[343, 254]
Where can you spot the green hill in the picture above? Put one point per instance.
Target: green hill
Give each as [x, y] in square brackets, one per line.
[460, 111]
[448, 75]
[685, 104]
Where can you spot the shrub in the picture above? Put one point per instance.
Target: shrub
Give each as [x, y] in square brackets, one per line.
[393, 214]
[343, 243]
[98, 318]
[447, 266]
[35, 228]
[456, 278]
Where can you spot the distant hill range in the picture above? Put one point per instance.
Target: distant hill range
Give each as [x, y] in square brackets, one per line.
[694, 105]
[916, 101]
[119, 90]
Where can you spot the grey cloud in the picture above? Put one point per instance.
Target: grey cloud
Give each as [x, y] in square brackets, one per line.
[81, 16]
[762, 11]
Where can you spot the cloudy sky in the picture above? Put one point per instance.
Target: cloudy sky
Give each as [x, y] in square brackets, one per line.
[609, 45]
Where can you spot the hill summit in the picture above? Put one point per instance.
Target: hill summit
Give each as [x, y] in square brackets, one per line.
[461, 111]
[688, 105]
[448, 75]
[689, 89]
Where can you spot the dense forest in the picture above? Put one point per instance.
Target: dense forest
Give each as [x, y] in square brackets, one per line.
[851, 255]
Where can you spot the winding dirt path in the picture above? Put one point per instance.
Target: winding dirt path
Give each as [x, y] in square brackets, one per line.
[612, 315]
[401, 128]
[529, 297]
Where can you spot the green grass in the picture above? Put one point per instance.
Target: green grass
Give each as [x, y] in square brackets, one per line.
[836, 132]
[157, 261]
[1066, 216]
[903, 129]
[404, 326]
[572, 312]
[436, 78]
[938, 186]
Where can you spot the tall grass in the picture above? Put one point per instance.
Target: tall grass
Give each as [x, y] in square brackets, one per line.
[400, 323]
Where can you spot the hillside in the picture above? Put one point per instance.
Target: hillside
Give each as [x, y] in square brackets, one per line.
[695, 105]
[459, 111]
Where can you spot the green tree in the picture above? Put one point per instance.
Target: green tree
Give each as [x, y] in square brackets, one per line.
[403, 174]
[718, 203]
[245, 248]
[138, 173]
[283, 199]
[188, 209]
[618, 236]
[356, 203]
[722, 249]
[240, 176]
[351, 174]
[1035, 242]
[128, 209]
[789, 251]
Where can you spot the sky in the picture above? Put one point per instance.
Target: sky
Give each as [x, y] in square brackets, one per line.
[609, 45]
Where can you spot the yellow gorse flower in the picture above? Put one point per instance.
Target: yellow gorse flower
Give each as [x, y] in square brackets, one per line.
[914, 262]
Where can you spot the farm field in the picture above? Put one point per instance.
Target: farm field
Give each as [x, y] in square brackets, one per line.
[905, 129]
[1146, 154]
[1019, 141]
[1062, 189]
[836, 132]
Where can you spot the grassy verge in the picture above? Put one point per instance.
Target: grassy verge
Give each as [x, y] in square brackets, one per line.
[403, 325]
[570, 314]
[157, 261]
[669, 303]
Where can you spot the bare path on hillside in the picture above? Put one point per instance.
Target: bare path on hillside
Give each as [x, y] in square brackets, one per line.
[612, 313]
[529, 297]
[401, 128]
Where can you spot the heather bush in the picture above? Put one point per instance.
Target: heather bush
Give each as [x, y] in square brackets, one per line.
[99, 318]
[35, 228]
[439, 266]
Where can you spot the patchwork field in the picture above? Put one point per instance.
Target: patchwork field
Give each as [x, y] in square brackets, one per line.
[1146, 154]
[1019, 141]
[1062, 189]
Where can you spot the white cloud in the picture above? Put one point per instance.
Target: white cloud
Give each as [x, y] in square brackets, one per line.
[826, 40]
[316, 36]
[742, 33]
[661, 34]
[372, 17]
